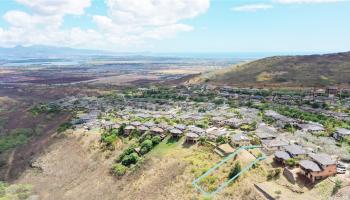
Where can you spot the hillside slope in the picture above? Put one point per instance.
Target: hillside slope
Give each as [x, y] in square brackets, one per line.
[290, 71]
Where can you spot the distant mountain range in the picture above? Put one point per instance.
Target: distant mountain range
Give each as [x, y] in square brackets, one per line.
[289, 71]
[44, 51]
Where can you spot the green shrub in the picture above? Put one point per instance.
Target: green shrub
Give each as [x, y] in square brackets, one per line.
[135, 133]
[108, 139]
[130, 159]
[235, 170]
[146, 146]
[15, 138]
[221, 139]
[126, 152]
[63, 127]
[291, 162]
[273, 174]
[255, 141]
[202, 140]
[146, 136]
[337, 186]
[156, 140]
[44, 108]
[118, 169]
[121, 130]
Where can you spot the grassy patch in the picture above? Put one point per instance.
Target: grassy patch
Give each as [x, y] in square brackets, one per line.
[15, 191]
[166, 146]
[16, 137]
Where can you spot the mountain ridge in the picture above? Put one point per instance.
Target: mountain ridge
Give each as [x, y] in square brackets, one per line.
[318, 70]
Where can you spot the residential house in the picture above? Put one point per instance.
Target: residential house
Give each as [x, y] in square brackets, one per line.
[273, 145]
[280, 120]
[143, 129]
[149, 124]
[295, 151]
[197, 130]
[136, 123]
[332, 90]
[158, 131]
[215, 132]
[290, 151]
[218, 121]
[128, 129]
[281, 156]
[192, 137]
[181, 127]
[311, 127]
[240, 139]
[176, 132]
[234, 122]
[320, 166]
[341, 133]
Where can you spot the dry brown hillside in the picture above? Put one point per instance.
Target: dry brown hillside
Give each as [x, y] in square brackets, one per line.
[291, 71]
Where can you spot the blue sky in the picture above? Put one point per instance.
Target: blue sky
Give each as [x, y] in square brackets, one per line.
[179, 25]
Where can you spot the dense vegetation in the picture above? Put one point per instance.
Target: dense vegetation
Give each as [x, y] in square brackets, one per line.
[14, 138]
[133, 154]
[329, 122]
[15, 191]
[45, 108]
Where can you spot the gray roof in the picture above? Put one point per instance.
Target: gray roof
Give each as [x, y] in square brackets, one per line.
[129, 128]
[295, 149]
[143, 128]
[175, 131]
[180, 126]
[136, 123]
[274, 143]
[196, 129]
[310, 165]
[263, 128]
[240, 137]
[219, 118]
[149, 124]
[157, 130]
[342, 131]
[311, 127]
[282, 155]
[264, 135]
[322, 159]
[192, 135]
[277, 116]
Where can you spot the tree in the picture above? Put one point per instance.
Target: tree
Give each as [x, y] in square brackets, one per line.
[202, 140]
[156, 140]
[291, 162]
[126, 152]
[337, 186]
[121, 129]
[146, 146]
[235, 170]
[255, 141]
[221, 139]
[130, 159]
[118, 169]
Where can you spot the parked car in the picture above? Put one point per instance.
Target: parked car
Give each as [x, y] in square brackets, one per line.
[341, 170]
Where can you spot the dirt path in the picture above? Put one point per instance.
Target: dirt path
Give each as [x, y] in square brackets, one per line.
[9, 164]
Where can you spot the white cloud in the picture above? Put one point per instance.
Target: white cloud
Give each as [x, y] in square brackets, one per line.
[57, 7]
[128, 22]
[307, 1]
[22, 19]
[252, 7]
[155, 12]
